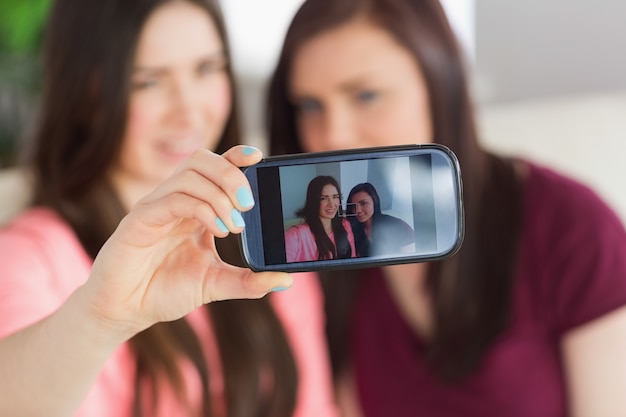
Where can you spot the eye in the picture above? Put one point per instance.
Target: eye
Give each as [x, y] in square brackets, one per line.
[366, 96]
[308, 105]
[144, 84]
[323, 198]
[211, 66]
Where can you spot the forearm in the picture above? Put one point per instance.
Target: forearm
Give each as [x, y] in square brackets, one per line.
[596, 367]
[48, 368]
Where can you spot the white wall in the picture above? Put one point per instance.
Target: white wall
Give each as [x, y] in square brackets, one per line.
[537, 48]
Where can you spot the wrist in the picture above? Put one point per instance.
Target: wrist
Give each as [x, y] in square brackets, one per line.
[88, 319]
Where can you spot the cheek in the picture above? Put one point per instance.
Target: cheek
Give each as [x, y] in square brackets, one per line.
[403, 124]
[142, 118]
[219, 100]
[415, 117]
[309, 132]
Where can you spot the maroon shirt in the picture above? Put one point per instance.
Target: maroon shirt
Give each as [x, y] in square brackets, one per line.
[572, 270]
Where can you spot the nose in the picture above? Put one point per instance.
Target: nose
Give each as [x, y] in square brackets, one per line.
[338, 130]
[184, 102]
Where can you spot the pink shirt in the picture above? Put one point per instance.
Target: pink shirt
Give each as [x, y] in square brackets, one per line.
[42, 263]
[300, 243]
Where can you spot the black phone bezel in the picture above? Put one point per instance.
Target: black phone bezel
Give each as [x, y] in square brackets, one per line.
[252, 234]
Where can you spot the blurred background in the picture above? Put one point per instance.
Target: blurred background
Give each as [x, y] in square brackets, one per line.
[548, 76]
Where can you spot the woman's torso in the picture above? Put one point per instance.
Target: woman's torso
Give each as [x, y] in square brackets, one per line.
[569, 274]
[42, 263]
[300, 245]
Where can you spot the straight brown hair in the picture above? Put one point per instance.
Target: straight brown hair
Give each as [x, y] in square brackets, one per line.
[471, 291]
[89, 50]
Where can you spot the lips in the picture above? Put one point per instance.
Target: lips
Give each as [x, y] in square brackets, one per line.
[180, 148]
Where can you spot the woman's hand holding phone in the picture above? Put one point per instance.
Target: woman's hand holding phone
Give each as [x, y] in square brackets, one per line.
[161, 262]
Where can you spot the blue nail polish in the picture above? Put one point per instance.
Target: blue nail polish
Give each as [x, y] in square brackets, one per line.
[276, 289]
[237, 219]
[244, 197]
[249, 150]
[221, 225]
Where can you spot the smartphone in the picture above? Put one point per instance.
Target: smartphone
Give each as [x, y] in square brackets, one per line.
[354, 208]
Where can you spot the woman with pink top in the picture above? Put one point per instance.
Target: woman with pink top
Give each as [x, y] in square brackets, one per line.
[323, 235]
[107, 281]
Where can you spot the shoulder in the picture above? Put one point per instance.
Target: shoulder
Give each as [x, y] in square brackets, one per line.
[573, 248]
[394, 224]
[392, 220]
[40, 256]
[37, 227]
[299, 230]
[565, 206]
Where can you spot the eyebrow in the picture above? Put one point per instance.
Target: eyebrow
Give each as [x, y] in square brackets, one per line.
[158, 70]
[349, 86]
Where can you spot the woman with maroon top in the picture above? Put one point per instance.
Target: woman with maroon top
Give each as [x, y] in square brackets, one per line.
[376, 233]
[529, 317]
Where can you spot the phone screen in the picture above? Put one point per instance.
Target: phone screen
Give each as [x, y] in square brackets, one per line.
[357, 209]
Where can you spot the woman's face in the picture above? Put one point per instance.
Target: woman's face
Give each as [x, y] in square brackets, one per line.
[364, 206]
[180, 99]
[355, 86]
[329, 202]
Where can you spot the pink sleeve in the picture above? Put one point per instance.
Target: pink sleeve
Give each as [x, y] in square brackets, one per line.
[29, 286]
[300, 244]
[24, 301]
[41, 264]
[300, 309]
[292, 245]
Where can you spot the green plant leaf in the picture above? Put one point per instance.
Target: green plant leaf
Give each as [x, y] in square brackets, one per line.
[21, 22]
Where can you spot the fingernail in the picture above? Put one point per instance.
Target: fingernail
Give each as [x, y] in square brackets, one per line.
[244, 197]
[237, 219]
[249, 150]
[221, 225]
[276, 289]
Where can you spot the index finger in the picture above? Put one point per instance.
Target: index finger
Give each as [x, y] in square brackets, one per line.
[221, 170]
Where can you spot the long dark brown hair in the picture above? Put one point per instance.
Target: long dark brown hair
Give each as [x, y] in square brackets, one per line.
[311, 214]
[88, 56]
[471, 291]
[361, 241]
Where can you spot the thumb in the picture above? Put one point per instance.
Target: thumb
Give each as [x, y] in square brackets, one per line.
[236, 283]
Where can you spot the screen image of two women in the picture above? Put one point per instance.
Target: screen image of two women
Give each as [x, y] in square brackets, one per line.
[330, 232]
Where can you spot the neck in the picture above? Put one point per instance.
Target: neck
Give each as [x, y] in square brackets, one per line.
[367, 226]
[407, 285]
[130, 190]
